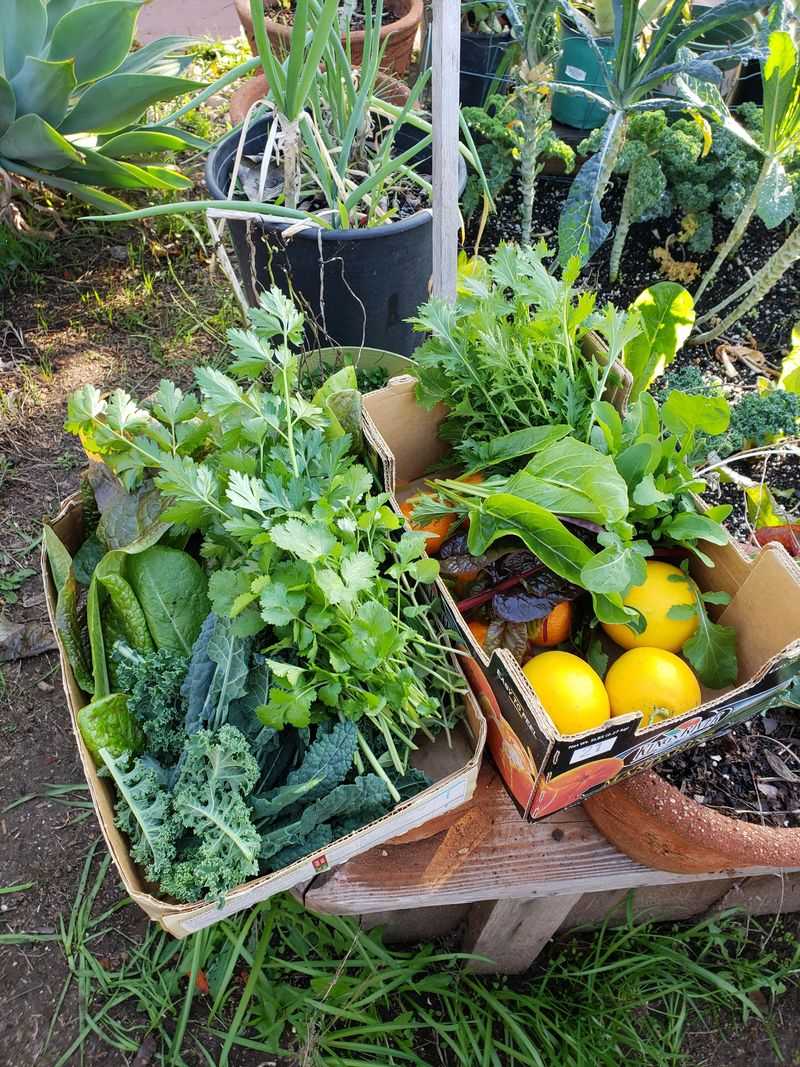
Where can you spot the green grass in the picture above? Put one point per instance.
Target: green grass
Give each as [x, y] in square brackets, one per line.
[278, 979]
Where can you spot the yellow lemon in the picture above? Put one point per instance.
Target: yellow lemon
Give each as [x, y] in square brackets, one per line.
[653, 681]
[664, 587]
[571, 692]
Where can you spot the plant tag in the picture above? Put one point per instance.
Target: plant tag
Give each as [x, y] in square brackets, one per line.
[575, 73]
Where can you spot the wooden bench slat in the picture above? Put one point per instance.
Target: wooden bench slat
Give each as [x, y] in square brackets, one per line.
[489, 853]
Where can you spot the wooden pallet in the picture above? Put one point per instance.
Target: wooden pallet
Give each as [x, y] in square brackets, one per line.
[513, 885]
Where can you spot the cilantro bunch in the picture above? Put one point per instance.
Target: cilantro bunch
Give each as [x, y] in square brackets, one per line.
[306, 560]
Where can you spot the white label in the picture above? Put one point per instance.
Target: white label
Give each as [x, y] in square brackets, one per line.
[575, 73]
[592, 750]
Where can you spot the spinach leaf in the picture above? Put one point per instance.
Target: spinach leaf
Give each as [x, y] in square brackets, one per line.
[572, 478]
[172, 590]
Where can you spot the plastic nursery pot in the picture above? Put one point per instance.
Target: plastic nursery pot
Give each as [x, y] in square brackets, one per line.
[481, 55]
[357, 286]
[578, 65]
[401, 32]
[657, 825]
[734, 34]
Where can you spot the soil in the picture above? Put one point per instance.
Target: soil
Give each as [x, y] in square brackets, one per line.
[285, 17]
[751, 773]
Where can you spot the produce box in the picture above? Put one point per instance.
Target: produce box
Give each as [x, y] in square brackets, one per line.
[453, 769]
[544, 770]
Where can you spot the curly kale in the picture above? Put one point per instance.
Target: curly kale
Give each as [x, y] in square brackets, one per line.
[152, 682]
[144, 813]
[759, 418]
[209, 801]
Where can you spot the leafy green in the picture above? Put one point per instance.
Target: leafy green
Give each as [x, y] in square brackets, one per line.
[70, 633]
[152, 682]
[367, 797]
[507, 356]
[172, 590]
[144, 813]
[217, 674]
[217, 774]
[711, 649]
[667, 317]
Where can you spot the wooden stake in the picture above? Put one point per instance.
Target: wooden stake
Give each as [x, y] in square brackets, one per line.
[446, 59]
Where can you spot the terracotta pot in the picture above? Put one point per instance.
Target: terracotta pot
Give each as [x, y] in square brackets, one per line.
[254, 89]
[657, 825]
[401, 33]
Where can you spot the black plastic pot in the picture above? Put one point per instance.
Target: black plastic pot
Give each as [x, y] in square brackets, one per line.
[357, 286]
[481, 55]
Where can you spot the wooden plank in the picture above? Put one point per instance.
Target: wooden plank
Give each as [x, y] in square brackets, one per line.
[670, 903]
[771, 894]
[592, 909]
[488, 854]
[421, 924]
[446, 49]
[512, 933]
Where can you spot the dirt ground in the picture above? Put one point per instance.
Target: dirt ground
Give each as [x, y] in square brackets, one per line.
[112, 313]
[87, 317]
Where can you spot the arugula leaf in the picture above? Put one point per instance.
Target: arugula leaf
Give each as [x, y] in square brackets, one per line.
[711, 649]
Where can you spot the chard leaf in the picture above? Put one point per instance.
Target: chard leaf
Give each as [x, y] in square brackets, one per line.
[68, 627]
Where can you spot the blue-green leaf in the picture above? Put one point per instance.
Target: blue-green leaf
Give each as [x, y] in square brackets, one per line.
[97, 36]
[24, 23]
[43, 88]
[120, 100]
[141, 143]
[8, 105]
[32, 140]
[776, 200]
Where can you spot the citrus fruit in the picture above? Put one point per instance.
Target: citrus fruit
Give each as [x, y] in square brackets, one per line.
[664, 587]
[553, 628]
[438, 529]
[653, 681]
[479, 630]
[571, 693]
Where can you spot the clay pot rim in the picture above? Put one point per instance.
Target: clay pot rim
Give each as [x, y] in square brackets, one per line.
[247, 94]
[734, 839]
[410, 20]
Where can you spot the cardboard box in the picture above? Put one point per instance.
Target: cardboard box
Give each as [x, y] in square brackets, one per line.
[546, 771]
[454, 770]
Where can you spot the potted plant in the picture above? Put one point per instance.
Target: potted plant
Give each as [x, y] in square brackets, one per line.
[486, 35]
[340, 192]
[634, 82]
[399, 25]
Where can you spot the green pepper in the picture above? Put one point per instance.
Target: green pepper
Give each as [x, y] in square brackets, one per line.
[107, 723]
[129, 611]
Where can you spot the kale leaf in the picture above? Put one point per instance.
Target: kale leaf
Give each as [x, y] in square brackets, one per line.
[152, 682]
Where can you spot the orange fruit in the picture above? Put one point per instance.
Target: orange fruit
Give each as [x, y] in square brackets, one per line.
[479, 630]
[438, 530]
[554, 628]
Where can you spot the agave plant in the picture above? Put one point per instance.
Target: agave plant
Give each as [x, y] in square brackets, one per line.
[73, 96]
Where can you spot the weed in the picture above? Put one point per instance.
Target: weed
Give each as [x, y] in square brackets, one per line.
[278, 979]
[11, 582]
